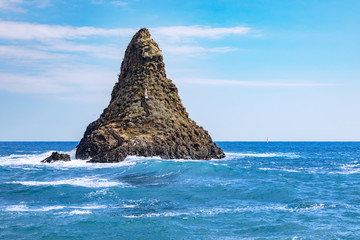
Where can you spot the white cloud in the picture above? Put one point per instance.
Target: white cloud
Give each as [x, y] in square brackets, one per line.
[64, 50]
[32, 41]
[190, 50]
[43, 32]
[41, 3]
[53, 56]
[220, 82]
[22, 54]
[84, 82]
[97, 2]
[65, 79]
[98, 51]
[18, 5]
[119, 3]
[11, 5]
[178, 32]
[30, 84]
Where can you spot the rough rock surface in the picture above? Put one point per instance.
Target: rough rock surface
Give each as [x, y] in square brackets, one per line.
[145, 116]
[55, 156]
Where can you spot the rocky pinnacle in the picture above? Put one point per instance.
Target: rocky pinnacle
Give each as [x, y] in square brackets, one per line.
[145, 116]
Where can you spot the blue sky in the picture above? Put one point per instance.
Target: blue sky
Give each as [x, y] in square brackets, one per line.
[245, 69]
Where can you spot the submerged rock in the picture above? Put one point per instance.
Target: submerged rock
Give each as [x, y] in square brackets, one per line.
[145, 116]
[55, 156]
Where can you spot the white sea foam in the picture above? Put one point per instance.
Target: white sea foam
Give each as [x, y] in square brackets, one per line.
[346, 172]
[76, 163]
[224, 210]
[129, 206]
[23, 159]
[351, 168]
[78, 209]
[34, 160]
[261, 155]
[91, 207]
[194, 212]
[98, 192]
[82, 182]
[79, 212]
[279, 169]
[24, 208]
[309, 208]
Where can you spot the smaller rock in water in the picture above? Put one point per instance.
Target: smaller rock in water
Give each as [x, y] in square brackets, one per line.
[55, 156]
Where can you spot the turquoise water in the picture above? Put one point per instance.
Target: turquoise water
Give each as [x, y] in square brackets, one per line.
[259, 191]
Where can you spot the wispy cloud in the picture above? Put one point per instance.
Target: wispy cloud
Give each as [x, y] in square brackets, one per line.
[190, 50]
[42, 32]
[41, 3]
[21, 54]
[97, 51]
[60, 80]
[119, 3]
[41, 41]
[85, 81]
[11, 5]
[59, 60]
[178, 32]
[220, 82]
[18, 5]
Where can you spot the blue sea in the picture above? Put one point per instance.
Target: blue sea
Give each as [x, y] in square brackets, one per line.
[279, 190]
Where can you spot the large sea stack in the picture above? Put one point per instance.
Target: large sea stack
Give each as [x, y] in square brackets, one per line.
[145, 116]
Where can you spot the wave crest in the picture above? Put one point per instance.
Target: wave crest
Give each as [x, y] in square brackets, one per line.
[82, 182]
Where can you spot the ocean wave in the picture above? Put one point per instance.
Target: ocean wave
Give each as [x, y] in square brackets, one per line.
[350, 166]
[25, 208]
[279, 169]
[82, 182]
[33, 161]
[79, 212]
[344, 172]
[262, 155]
[101, 192]
[90, 207]
[223, 210]
[347, 168]
[25, 160]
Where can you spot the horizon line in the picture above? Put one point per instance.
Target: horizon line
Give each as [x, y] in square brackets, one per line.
[2, 141]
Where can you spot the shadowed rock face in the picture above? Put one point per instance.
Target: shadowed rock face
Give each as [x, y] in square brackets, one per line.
[145, 116]
[55, 156]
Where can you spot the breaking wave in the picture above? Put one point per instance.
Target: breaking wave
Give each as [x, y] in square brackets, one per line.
[262, 155]
[25, 208]
[82, 182]
[221, 210]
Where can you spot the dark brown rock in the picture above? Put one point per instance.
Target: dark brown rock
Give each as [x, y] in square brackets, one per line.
[55, 156]
[145, 116]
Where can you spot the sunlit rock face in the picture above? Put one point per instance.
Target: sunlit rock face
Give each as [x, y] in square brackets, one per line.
[145, 116]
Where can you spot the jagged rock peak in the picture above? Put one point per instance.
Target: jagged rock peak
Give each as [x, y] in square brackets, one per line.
[142, 52]
[145, 116]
